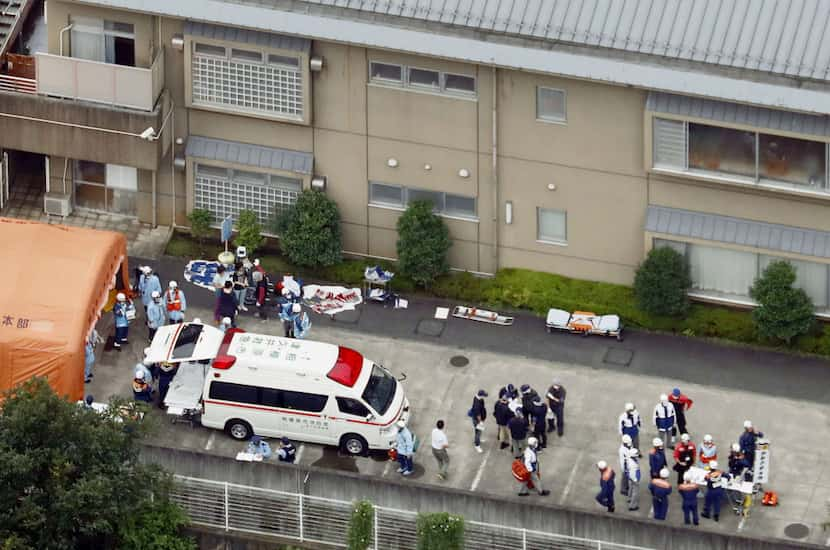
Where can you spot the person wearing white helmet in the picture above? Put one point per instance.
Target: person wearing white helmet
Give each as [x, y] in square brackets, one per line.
[684, 456]
[122, 323]
[147, 284]
[660, 489]
[714, 491]
[656, 458]
[748, 440]
[708, 451]
[737, 461]
[664, 419]
[623, 453]
[606, 485]
[531, 463]
[633, 473]
[629, 424]
[175, 303]
[688, 491]
[155, 315]
[142, 390]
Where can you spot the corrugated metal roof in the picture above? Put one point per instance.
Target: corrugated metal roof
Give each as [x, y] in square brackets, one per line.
[246, 36]
[725, 229]
[233, 152]
[735, 113]
[778, 36]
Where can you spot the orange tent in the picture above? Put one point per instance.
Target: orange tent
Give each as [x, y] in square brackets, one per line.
[57, 281]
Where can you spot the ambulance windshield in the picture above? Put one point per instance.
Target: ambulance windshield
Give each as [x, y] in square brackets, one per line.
[380, 390]
[186, 342]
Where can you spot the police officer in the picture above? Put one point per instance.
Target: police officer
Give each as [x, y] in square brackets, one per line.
[660, 489]
[287, 451]
[529, 395]
[556, 402]
[539, 415]
[518, 433]
[656, 458]
[688, 494]
[629, 424]
[166, 373]
[714, 491]
[606, 485]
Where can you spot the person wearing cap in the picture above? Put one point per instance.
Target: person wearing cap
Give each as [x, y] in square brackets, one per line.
[737, 461]
[531, 462]
[122, 324]
[633, 474]
[623, 453]
[258, 446]
[681, 403]
[748, 441]
[148, 283]
[656, 458]
[660, 489]
[513, 401]
[539, 416]
[155, 315]
[175, 303]
[142, 390]
[714, 491]
[440, 443]
[89, 359]
[226, 304]
[684, 456]
[528, 396]
[404, 444]
[167, 371]
[503, 414]
[260, 293]
[708, 451]
[629, 424]
[518, 433]
[556, 401]
[606, 485]
[287, 451]
[664, 417]
[478, 413]
[688, 495]
[302, 322]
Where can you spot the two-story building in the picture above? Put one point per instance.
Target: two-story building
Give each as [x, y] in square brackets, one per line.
[567, 136]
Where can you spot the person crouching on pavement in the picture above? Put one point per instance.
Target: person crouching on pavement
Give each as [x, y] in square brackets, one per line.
[287, 451]
[142, 390]
[258, 446]
[606, 485]
[531, 462]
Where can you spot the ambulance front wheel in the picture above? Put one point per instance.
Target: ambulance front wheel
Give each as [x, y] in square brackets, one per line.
[354, 445]
[239, 429]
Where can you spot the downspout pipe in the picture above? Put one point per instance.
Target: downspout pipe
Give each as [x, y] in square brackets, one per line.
[63, 30]
[495, 169]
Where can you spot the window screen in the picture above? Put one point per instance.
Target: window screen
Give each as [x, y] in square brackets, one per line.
[459, 83]
[386, 194]
[424, 78]
[552, 225]
[460, 206]
[550, 104]
[300, 401]
[669, 144]
[386, 71]
[236, 393]
[352, 406]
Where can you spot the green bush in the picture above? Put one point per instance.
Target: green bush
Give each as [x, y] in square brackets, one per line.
[662, 282]
[250, 231]
[310, 233]
[440, 531]
[784, 312]
[361, 525]
[423, 242]
[200, 220]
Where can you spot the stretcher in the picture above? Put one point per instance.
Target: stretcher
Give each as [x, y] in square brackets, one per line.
[482, 315]
[584, 322]
[184, 396]
[330, 300]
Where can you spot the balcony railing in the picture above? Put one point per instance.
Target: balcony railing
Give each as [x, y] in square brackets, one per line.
[116, 85]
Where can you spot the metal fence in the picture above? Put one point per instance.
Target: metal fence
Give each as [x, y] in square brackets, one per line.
[244, 509]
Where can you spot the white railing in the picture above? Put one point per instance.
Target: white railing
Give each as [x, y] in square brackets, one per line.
[17, 84]
[244, 509]
[116, 85]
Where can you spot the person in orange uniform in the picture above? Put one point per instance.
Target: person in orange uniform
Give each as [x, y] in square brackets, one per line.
[175, 303]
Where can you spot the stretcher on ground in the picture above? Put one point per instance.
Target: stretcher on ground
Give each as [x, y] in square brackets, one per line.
[584, 322]
[482, 315]
[184, 396]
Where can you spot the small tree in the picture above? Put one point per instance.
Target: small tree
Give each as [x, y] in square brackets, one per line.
[250, 231]
[310, 230]
[361, 525]
[783, 311]
[662, 282]
[200, 220]
[423, 242]
[440, 531]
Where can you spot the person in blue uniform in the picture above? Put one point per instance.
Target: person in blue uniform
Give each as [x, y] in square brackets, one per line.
[606, 485]
[714, 492]
[660, 489]
[656, 458]
[688, 495]
[287, 451]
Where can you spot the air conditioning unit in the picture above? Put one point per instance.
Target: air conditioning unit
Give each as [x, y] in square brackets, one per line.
[57, 204]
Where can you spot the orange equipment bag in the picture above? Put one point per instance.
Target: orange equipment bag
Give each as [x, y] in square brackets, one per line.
[770, 499]
[520, 473]
[393, 454]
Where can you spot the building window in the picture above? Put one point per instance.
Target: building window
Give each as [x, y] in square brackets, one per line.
[225, 192]
[104, 41]
[447, 204]
[550, 104]
[106, 187]
[749, 157]
[422, 79]
[240, 79]
[730, 273]
[551, 226]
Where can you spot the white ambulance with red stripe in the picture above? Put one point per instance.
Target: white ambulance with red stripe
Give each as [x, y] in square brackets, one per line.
[304, 390]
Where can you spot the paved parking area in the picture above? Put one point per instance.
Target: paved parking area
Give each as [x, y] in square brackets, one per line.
[596, 394]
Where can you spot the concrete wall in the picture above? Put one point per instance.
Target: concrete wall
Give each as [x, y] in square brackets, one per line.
[413, 496]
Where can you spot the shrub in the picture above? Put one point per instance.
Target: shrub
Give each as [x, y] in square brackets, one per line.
[423, 242]
[361, 525]
[440, 531]
[200, 220]
[662, 283]
[310, 234]
[250, 231]
[783, 311]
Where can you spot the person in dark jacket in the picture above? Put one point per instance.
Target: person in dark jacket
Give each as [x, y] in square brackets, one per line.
[556, 402]
[737, 460]
[660, 489]
[748, 441]
[714, 491]
[685, 455]
[606, 485]
[503, 414]
[528, 396]
[656, 458]
[261, 293]
[688, 494]
[478, 413]
[166, 373]
[226, 304]
[539, 418]
[518, 433]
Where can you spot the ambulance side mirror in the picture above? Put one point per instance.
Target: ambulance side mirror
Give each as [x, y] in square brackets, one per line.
[370, 417]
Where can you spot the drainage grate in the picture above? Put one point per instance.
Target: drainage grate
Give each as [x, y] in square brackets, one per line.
[796, 530]
[618, 356]
[430, 327]
[459, 361]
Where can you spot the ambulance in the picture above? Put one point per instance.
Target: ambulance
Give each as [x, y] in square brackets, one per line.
[273, 386]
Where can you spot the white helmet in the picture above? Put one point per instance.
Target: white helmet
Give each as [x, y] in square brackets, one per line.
[685, 438]
[121, 297]
[296, 308]
[155, 294]
[657, 442]
[736, 448]
[226, 320]
[147, 351]
[241, 252]
[173, 284]
[707, 438]
[687, 476]
[747, 423]
[626, 439]
[196, 321]
[713, 464]
[629, 407]
[664, 473]
[139, 374]
[400, 424]
[602, 465]
[147, 362]
[532, 442]
[256, 262]
[146, 269]
[285, 291]
[663, 397]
